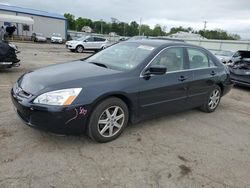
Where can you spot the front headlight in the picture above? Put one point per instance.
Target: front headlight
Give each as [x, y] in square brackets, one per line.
[59, 97]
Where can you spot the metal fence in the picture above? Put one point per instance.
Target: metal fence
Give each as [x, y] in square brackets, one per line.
[217, 45]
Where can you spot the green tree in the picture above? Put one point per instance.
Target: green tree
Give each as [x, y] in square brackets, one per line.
[81, 22]
[157, 31]
[145, 30]
[71, 21]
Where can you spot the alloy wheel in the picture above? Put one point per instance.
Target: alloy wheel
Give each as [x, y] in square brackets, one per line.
[214, 99]
[79, 49]
[111, 121]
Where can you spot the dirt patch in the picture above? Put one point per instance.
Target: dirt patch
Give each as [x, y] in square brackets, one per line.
[185, 170]
[183, 158]
[5, 134]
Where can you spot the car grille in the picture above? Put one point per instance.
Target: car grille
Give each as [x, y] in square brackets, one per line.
[20, 92]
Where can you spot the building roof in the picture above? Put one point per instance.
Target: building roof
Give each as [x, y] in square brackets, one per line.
[30, 11]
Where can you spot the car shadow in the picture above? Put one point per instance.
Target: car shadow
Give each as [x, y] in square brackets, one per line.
[243, 88]
[131, 129]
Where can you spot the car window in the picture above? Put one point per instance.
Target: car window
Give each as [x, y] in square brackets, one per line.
[99, 39]
[122, 56]
[90, 39]
[172, 58]
[212, 63]
[197, 59]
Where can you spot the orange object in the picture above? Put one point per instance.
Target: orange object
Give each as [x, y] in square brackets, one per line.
[69, 100]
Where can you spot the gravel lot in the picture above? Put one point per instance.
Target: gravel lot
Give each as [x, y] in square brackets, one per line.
[189, 149]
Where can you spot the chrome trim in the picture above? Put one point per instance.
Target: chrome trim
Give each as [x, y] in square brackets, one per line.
[141, 74]
[5, 63]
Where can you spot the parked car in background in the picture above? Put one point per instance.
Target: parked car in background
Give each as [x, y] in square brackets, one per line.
[240, 68]
[56, 38]
[127, 82]
[38, 37]
[87, 43]
[224, 56]
[8, 55]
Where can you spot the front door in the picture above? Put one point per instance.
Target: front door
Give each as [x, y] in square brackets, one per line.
[165, 93]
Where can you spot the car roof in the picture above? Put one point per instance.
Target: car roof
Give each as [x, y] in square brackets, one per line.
[158, 42]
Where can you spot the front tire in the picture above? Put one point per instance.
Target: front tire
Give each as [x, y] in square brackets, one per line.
[108, 120]
[212, 101]
[79, 49]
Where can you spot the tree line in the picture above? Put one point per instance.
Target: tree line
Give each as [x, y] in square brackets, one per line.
[133, 28]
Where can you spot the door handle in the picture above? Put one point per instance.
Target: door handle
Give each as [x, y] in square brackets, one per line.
[182, 78]
[213, 73]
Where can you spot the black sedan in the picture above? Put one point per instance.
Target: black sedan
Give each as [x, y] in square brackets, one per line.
[127, 82]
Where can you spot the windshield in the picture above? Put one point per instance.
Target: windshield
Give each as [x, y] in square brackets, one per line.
[122, 56]
[224, 53]
[39, 34]
[81, 39]
[56, 35]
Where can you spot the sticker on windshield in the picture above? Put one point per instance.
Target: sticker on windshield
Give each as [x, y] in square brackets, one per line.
[146, 47]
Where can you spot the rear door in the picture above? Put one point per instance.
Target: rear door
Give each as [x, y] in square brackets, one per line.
[165, 93]
[204, 76]
[99, 42]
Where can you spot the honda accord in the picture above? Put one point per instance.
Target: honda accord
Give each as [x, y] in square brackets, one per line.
[127, 82]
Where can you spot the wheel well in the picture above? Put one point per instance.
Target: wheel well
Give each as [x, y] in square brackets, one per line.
[221, 87]
[125, 99]
[80, 45]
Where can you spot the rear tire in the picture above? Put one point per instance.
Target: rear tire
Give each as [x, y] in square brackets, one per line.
[212, 101]
[108, 120]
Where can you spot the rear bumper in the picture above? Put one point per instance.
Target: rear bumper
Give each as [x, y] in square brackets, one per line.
[62, 120]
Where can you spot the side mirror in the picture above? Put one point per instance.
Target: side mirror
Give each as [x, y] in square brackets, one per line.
[85, 40]
[156, 70]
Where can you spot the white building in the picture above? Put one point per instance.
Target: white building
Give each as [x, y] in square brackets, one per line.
[87, 29]
[44, 22]
[186, 35]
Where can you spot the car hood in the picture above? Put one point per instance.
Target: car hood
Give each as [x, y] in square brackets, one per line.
[40, 38]
[62, 76]
[222, 57]
[56, 38]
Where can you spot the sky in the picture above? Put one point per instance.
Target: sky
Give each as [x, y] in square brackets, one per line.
[230, 15]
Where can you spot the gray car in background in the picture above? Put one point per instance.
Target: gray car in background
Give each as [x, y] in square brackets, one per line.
[225, 56]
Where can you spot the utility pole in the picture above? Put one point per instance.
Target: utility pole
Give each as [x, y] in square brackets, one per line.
[140, 28]
[205, 25]
[123, 28]
[101, 26]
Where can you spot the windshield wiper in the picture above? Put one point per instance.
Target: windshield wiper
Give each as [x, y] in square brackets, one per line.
[99, 64]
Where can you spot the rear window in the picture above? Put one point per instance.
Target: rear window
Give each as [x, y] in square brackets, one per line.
[197, 59]
[99, 39]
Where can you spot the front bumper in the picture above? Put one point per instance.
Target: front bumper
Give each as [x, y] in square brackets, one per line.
[56, 41]
[70, 46]
[62, 120]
